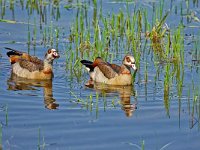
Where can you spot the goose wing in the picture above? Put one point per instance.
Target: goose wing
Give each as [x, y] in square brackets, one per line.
[116, 68]
[107, 70]
[36, 60]
[31, 66]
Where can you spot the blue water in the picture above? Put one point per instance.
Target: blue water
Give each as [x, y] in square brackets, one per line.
[47, 115]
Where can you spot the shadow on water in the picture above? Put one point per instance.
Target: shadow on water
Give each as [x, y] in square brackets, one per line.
[16, 83]
[124, 92]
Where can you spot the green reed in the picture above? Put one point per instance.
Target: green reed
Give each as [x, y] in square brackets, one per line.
[34, 33]
[139, 25]
[85, 103]
[97, 105]
[146, 73]
[195, 51]
[142, 145]
[22, 3]
[39, 138]
[161, 7]
[168, 47]
[113, 28]
[178, 44]
[167, 85]
[11, 2]
[44, 38]
[32, 5]
[56, 9]
[157, 13]
[105, 104]
[28, 37]
[113, 102]
[3, 8]
[146, 22]
[178, 58]
[156, 77]
[76, 69]
[41, 145]
[57, 33]
[51, 33]
[157, 34]
[195, 112]
[90, 102]
[196, 109]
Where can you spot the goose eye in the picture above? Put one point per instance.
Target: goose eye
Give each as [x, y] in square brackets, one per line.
[128, 59]
[49, 51]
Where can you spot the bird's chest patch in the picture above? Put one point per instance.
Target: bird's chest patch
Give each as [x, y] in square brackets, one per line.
[47, 71]
[126, 72]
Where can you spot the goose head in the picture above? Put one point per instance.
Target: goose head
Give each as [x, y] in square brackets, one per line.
[130, 62]
[51, 55]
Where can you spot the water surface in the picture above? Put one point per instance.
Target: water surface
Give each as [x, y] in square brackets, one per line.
[64, 114]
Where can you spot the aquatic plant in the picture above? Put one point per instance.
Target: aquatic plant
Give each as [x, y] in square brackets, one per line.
[167, 85]
[157, 34]
[105, 35]
[41, 146]
[195, 51]
[194, 106]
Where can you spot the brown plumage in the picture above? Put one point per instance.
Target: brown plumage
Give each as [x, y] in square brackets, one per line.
[104, 72]
[107, 70]
[31, 67]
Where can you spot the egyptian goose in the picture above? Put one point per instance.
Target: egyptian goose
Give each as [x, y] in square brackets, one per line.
[104, 72]
[31, 67]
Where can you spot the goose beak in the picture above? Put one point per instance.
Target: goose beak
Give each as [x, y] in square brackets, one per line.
[134, 67]
[56, 55]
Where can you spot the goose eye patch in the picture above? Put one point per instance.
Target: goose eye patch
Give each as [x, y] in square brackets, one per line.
[128, 59]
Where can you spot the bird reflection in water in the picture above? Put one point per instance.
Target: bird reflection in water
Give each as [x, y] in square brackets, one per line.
[17, 83]
[125, 93]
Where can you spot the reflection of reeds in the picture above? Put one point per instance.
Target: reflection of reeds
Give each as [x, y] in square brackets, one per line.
[5, 109]
[92, 104]
[196, 51]
[194, 108]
